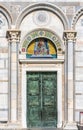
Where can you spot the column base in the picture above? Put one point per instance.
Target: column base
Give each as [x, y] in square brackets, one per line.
[59, 125]
[70, 126]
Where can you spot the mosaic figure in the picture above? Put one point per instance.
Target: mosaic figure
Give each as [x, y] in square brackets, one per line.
[41, 47]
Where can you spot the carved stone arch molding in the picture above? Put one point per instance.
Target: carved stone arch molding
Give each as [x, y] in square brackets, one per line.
[7, 15]
[78, 14]
[43, 6]
[42, 33]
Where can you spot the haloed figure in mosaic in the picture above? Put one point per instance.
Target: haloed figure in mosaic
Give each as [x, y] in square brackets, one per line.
[41, 47]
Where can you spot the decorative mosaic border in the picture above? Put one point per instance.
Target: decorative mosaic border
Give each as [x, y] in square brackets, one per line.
[41, 33]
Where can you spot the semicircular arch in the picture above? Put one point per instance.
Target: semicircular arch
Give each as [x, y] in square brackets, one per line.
[78, 14]
[6, 14]
[42, 33]
[43, 6]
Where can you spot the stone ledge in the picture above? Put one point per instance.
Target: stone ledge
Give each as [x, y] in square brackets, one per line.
[33, 129]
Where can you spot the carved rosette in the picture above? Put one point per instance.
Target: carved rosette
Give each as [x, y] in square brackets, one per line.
[13, 36]
[70, 35]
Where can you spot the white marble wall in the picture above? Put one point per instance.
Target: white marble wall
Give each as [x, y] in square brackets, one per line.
[3, 69]
[32, 22]
[3, 79]
[79, 70]
[79, 56]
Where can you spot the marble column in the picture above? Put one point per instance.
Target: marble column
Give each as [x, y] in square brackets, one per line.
[13, 37]
[70, 39]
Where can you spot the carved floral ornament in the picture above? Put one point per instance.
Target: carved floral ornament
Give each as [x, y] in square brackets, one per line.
[70, 35]
[13, 35]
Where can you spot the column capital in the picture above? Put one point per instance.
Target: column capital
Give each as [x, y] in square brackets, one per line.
[13, 35]
[69, 35]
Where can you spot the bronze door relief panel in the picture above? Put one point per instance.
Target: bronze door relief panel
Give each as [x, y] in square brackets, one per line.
[41, 99]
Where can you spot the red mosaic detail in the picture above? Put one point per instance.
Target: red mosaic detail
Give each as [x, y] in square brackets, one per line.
[23, 49]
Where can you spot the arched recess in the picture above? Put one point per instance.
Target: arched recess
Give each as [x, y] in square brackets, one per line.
[38, 65]
[7, 15]
[78, 14]
[42, 65]
[42, 33]
[43, 6]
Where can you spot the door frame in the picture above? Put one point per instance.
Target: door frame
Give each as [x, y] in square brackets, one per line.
[42, 67]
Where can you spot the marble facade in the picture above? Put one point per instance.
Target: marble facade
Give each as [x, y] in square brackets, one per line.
[21, 23]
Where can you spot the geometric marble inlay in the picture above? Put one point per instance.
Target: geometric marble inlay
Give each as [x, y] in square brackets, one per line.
[41, 18]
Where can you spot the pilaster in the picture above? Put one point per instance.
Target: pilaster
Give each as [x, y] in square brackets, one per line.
[13, 37]
[70, 39]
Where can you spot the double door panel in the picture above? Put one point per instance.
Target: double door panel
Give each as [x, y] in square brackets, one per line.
[41, 99]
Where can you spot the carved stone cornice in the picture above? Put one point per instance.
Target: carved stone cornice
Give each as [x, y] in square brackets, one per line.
[70, 35]
[13, 35]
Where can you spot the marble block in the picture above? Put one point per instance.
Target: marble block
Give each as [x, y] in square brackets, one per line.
[2, 63]
[4, 115]
[3, 87]
[3, 101]
[79, 102]
[3, 74]
[78, 58]
[79, 74]
[79, 87]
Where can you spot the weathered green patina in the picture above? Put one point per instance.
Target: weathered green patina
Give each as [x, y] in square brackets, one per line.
[41, 99]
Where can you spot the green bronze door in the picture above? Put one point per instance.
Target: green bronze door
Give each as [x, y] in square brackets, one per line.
[41, 99]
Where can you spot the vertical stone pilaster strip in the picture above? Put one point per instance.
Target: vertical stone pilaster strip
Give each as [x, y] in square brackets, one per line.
[13, 37]
[70, 37]
[17, 42]
[65, 87]
[9, 80]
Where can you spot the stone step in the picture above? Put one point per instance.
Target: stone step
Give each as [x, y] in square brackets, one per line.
[32, 129]
[37, 129]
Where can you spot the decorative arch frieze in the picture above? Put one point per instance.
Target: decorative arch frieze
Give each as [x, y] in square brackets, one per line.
[76, 17]
[40, 33]
[43, 6]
